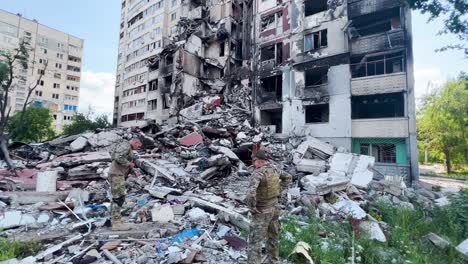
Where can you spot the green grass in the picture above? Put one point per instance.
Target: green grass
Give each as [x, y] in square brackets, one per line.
[16, 249]
[404, 243]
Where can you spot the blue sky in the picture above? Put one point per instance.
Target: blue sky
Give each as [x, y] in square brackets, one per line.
[97, 22]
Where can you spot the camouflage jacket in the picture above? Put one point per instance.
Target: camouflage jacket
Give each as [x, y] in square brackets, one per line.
[266, 185]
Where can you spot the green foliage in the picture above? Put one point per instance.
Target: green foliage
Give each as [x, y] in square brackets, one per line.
[454, 17]
[16, 249]
[404, 237]
[442, 123]
[82, 123]
[35, 126]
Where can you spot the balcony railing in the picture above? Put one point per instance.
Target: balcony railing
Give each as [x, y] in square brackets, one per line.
[362, 7]
[378, 42]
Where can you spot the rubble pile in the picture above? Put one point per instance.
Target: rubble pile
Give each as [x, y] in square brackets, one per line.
[186, 195]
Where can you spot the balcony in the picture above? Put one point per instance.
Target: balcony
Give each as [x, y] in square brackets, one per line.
[380, 128]
[362, 7]
[378, 42]
[379, 84]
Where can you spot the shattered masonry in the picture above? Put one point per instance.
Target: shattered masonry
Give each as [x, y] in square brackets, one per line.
[337, 70]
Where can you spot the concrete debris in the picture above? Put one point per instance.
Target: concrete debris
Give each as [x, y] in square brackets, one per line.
[463, 248]
[189, 183]
[372, 230]
[437, 240]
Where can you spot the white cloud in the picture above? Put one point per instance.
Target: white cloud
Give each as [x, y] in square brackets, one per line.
[97, 91]
[427, 79]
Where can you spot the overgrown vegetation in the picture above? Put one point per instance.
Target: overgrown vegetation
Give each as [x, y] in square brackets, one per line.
[442, 129]
[17, 249]
[332, 241]
[82, 123]
[34, 126]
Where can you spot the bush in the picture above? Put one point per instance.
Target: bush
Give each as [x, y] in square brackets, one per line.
[82, 123]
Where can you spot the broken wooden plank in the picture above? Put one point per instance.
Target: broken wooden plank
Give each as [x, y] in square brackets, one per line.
[155, 170]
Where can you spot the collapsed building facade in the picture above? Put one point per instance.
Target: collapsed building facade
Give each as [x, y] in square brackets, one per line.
[340, 71]
[337, 70]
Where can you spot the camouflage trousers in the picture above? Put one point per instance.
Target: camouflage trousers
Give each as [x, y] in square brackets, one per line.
[119, 192]
[264, 227]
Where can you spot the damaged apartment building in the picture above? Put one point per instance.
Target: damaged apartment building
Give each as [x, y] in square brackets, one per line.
[337, 70]
[176, 54]
[340, 71]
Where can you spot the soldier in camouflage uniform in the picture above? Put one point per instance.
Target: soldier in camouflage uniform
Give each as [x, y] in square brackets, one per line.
[122, 164]
[266, 186]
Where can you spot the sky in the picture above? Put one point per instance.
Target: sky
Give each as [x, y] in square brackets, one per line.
[97, 22]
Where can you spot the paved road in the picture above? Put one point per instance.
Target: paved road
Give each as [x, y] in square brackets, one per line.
[444, 182]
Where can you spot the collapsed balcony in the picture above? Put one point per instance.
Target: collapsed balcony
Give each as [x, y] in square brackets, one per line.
[377, 32]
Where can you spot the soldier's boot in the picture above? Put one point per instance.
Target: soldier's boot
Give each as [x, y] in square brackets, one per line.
[117, 225]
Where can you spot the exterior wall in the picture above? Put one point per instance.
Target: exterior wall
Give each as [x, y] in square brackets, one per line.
[54, 46]
[384, 128]
[344, 46]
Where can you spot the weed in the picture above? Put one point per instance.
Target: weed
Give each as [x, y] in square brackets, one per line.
[17, 249]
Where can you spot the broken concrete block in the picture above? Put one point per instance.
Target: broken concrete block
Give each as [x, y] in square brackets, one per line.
[208, 173]
[437, 240]
[313, 147]
[75, 159]
[226, 151]
[463, 247]
[103, 139]
[191, 139]
[312, 166]
[11, 219]
[372, 231]
[162, 213]
[46, 181]
[362, 175]
[350, 208]
[178, 209]
[325, 183]
[161, 191]
[79, 144]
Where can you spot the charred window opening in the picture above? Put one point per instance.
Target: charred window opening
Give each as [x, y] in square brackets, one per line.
[274, 86]
[153, 85]
[317, 113]
[273, 117]
[315, 6]
[134, 19]
[378, 22]
[168, 80]
[272, 53]
[268, 22]
[267, 53]
[385, 153]
[221, 48]
[316, 40]
[316, 76]
[152, 105]
[165, 101]
[169, 59]
[378, 106]
[377, 65]
[153, 65]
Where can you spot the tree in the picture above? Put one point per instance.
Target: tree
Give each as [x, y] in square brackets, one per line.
[442, 122]
[11, 63]
[35, 126]
[82, 123]
[454, 18]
